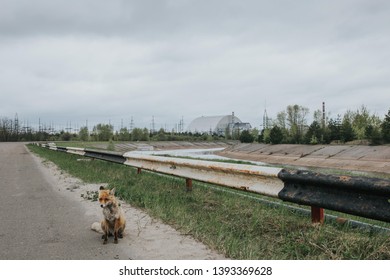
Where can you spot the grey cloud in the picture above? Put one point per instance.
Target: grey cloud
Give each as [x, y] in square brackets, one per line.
[187, 57]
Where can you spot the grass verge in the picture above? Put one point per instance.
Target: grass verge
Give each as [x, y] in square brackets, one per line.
[233, 225]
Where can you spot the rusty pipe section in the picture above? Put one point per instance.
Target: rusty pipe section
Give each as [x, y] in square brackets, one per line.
[365, 197]
[257, 179]
[105, 155]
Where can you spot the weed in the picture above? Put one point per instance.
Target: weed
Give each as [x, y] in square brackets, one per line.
[90, 195]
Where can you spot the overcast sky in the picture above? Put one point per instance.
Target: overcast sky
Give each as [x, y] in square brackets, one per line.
[68, 61]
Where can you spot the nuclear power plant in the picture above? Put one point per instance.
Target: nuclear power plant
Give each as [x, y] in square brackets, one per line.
[218, 125]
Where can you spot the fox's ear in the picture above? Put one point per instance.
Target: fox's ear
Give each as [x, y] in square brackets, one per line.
[112, 192]
[101, 188]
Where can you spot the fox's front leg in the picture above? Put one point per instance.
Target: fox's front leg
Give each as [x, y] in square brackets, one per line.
[116, 237]
[116, 230]
[116, 233]
[105, 231]
[105, 237]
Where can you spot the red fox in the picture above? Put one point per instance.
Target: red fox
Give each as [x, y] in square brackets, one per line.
[114, 221]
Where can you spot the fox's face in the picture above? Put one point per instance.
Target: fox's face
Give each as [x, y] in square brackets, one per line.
[106, 197]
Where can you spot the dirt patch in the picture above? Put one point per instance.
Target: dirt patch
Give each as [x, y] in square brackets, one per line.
[145, 237]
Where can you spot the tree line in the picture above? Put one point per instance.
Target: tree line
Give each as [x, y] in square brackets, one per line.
[290, 126]
[11, 132]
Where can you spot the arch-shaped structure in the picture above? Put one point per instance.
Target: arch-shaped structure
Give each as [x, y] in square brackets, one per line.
[213, 124]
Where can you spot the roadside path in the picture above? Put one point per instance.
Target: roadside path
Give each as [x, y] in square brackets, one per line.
[43, 216]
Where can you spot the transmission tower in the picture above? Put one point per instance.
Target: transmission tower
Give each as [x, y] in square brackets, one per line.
[16, 125]
[131, 124]
[180, 128]
[323, 115]
[68, 127]
[265, 119]
[153, 125]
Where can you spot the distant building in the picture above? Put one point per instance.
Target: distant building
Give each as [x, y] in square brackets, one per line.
[217, 125]
[240, 127]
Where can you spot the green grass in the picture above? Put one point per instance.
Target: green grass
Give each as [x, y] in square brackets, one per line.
[235, 226]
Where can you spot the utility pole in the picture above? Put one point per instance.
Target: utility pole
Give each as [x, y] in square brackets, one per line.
[323, 115]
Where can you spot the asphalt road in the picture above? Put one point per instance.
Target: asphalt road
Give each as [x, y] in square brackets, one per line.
[39, 224]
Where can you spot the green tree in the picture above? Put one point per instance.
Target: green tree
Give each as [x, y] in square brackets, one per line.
[103, 132]
[281, 120]
[84, 134]
[373, 134]
[334, 127]
[136, 134]
[296, 120]
[124, 134]
[264, 136]
[347, 133]
[161, 136]
[314, 135]
[65, 136]
[255, 134]
[246, 137]
[276, 135]
[386, 128]
[145, 135]
[360, 120]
